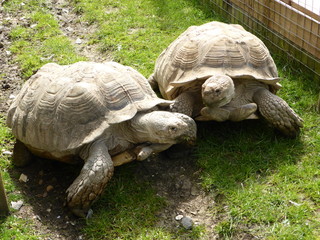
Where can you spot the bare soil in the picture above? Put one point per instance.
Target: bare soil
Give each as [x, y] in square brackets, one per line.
[176, 177]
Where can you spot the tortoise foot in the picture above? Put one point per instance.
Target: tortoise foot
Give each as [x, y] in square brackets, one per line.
[21, 155]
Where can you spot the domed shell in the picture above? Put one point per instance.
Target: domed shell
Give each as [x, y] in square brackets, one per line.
[61, 108]
[213, 48]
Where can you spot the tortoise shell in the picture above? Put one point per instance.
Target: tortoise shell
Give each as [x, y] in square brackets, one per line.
[209, 49]
[61, 108]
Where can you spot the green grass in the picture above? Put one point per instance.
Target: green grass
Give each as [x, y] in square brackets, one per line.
[40, 40]
[11, 227]
[137, 31]
[264, 185]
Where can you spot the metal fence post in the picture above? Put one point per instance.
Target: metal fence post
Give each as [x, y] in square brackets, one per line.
[4, 208]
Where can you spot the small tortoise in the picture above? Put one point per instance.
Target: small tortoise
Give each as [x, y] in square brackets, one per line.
[92, 111]
[221, 72]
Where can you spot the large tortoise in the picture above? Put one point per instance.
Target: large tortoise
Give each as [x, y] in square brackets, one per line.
[221, 72]
[92, 111]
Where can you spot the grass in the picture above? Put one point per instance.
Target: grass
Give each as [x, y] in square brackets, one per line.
[264, 185]
[40, 40]
[136, 32]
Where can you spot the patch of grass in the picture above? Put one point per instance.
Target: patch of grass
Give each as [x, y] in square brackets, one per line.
[129, 210]
[269, 184]
[136, 32]
[39, 39]
[17, 228]
[11, 227]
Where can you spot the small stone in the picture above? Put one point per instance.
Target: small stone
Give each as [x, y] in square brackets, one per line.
[193, 213]
[294, 203]
[49, 188]
[7, 152]
[178, 217]
[78, 41]
[33, 25]
[40, 182]
[187, 222]
[194, 191]
[8, 53]
[23, 178]
[89, 214]
[49, 210]
[17, 205]
[69, 29]
[37, 217]
[45, 194]
[12, 96]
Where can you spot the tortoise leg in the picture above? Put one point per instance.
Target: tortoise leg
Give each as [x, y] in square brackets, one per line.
[242, 112]
[96, 172]
[184, 103]
[276, 111]
[213, 114]
[225, 113]
[21, 154]
[153, 82]
[145, 151]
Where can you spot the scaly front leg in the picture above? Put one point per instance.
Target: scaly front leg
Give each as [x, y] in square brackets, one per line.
[184, 103]
[96, 172]
[277, 112]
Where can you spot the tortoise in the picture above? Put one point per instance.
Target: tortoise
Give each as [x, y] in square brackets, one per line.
[88, 112]
[218, 71]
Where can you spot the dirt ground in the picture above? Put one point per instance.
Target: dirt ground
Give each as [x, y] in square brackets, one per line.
[175, 178]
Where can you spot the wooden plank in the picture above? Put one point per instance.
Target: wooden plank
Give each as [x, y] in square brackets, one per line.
[302, 9]
[4, 208]
[291, 24]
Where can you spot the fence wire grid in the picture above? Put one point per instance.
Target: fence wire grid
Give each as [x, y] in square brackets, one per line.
[288, 27]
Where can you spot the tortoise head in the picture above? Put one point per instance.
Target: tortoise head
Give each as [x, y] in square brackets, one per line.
[164, 127]
[217, 91]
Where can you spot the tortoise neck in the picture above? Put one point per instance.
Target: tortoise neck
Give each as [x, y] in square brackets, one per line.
[135, 130]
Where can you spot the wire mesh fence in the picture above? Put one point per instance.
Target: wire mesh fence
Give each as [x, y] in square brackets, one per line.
[288, 27]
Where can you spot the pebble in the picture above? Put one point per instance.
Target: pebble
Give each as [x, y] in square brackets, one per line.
[49, 188]
[7, 152]
[23, 178]
[17, 205]
[294, 203]
[78, 41]
[179, 217]
[89, 214]
[187, 222]
[12, 96]
[69, 29]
